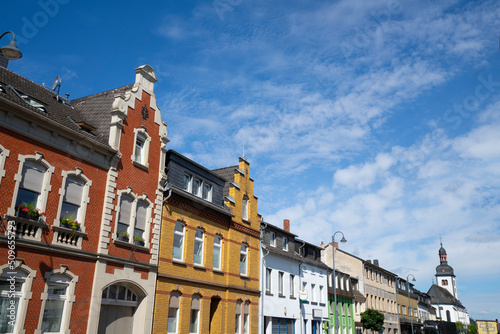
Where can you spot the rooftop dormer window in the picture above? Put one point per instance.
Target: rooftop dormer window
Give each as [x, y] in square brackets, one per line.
[30, 100]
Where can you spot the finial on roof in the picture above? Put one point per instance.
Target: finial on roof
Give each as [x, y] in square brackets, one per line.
[441, 240]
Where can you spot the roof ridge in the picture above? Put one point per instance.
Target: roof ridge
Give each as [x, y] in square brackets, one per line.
[101, 93]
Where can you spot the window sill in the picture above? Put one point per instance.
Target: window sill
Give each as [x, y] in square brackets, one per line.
[269, 294]
[218, 271]
[293, 297]
[179, 263]
[130, 245]
[244, 276]
[314, 303]
[139, 165]
[281, 296]
[246, 221]
[199, 267]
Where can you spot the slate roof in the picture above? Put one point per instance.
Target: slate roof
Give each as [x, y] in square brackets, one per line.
[228, 174]
[63, 113]
[440, 295]
[97, 109]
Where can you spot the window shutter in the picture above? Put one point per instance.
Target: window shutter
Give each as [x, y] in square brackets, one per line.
[125, 209]
[74, 190]
[33, 174]
[140, 218]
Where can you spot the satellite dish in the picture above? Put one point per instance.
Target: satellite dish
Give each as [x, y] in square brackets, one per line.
[57, 83]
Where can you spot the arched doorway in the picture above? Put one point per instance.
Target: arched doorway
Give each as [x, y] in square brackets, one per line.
[118, 306]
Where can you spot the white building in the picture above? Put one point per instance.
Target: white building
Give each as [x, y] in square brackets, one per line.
[444, 295]
[293, 284]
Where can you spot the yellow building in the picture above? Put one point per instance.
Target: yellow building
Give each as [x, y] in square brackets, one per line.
[209, 250]
[408, 307]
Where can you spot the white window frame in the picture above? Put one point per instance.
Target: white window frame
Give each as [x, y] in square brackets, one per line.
[269, 273]
[176, 307]
[197, 191]
[281, 283]
[195, 306]
[85, 197]
[189, 184]
[199, 241]
[46, 186]
[183, 236]
[4, 154]
[26, 274]
[133, 215]
[314, 298]
[207, 195]
[244, 208]
[244, 252]
[292, 285]
[219, 247]
[246, 317]
[272, 239]
[284, 245]
[141, 134]
[53, 278]
[321, 294]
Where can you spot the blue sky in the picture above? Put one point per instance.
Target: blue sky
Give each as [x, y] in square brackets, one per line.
[377, 118]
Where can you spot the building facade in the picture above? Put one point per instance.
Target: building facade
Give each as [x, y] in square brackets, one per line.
[209, 250]
[280, 309]
[353, 266]
[59, 206]
[444, 295]
[408, 307]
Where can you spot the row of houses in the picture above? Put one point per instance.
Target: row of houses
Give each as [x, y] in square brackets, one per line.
[104, 229]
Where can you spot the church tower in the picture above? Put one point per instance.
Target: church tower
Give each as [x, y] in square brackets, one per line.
[445, 277]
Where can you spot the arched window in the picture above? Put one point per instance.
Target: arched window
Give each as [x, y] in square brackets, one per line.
[134, 218]
[141, 148]
[31, 185]
[57, 300]
[15, 292]
[237, 319]
[118, 306]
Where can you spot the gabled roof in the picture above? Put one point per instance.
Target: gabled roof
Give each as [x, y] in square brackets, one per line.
[97, 109]
[228, 174]
[440, 295]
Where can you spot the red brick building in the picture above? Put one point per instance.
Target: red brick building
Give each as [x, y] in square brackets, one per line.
[81, 196]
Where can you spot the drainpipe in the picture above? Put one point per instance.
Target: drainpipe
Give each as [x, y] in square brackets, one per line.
[165, 189]
[301, 324]
[262, 277]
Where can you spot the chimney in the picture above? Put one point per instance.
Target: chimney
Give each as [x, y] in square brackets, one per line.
[369, 261]
[286, 225]
[375, 262]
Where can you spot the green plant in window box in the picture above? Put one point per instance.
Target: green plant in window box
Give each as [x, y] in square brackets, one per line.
[69, 222]
[139, 240]
[123, 236]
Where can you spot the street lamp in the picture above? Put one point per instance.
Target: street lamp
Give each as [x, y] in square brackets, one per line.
[336, 320]
[10, 51]
[409, 302]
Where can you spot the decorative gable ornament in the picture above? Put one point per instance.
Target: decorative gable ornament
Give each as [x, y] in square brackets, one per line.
[145, 112]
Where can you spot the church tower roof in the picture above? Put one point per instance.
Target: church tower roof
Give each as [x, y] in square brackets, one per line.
[443, 269]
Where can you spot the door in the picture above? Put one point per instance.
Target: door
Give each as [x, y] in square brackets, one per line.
[115, 319]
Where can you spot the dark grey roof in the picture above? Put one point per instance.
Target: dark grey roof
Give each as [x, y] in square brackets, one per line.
[228, 174]
[57, 110]
[442, 251]
[440, 295]
[97, 109]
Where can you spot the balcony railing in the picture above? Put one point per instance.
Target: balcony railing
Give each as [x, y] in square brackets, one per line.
[28, 228]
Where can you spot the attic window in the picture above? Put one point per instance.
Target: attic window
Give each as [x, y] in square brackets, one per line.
[2, 89]
[30, 100]
[86, 127]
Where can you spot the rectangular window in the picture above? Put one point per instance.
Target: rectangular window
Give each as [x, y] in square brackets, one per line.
[321, 297]
[172, 320]
[54, 308]
[217, 252]
[244, 213]
[246, 318]
[31, 184]
[292, 285]
[207, 192]
[140, 220]
[178, 248]
[281, 277]
[72, 199]
[125, 214]
[139, 149]
[268, 280]
[197, 187]
[193, 324]
[237, 320]
[272, 239]
[285, 244]
[243, 259]
[198, 247]
[187, 182]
